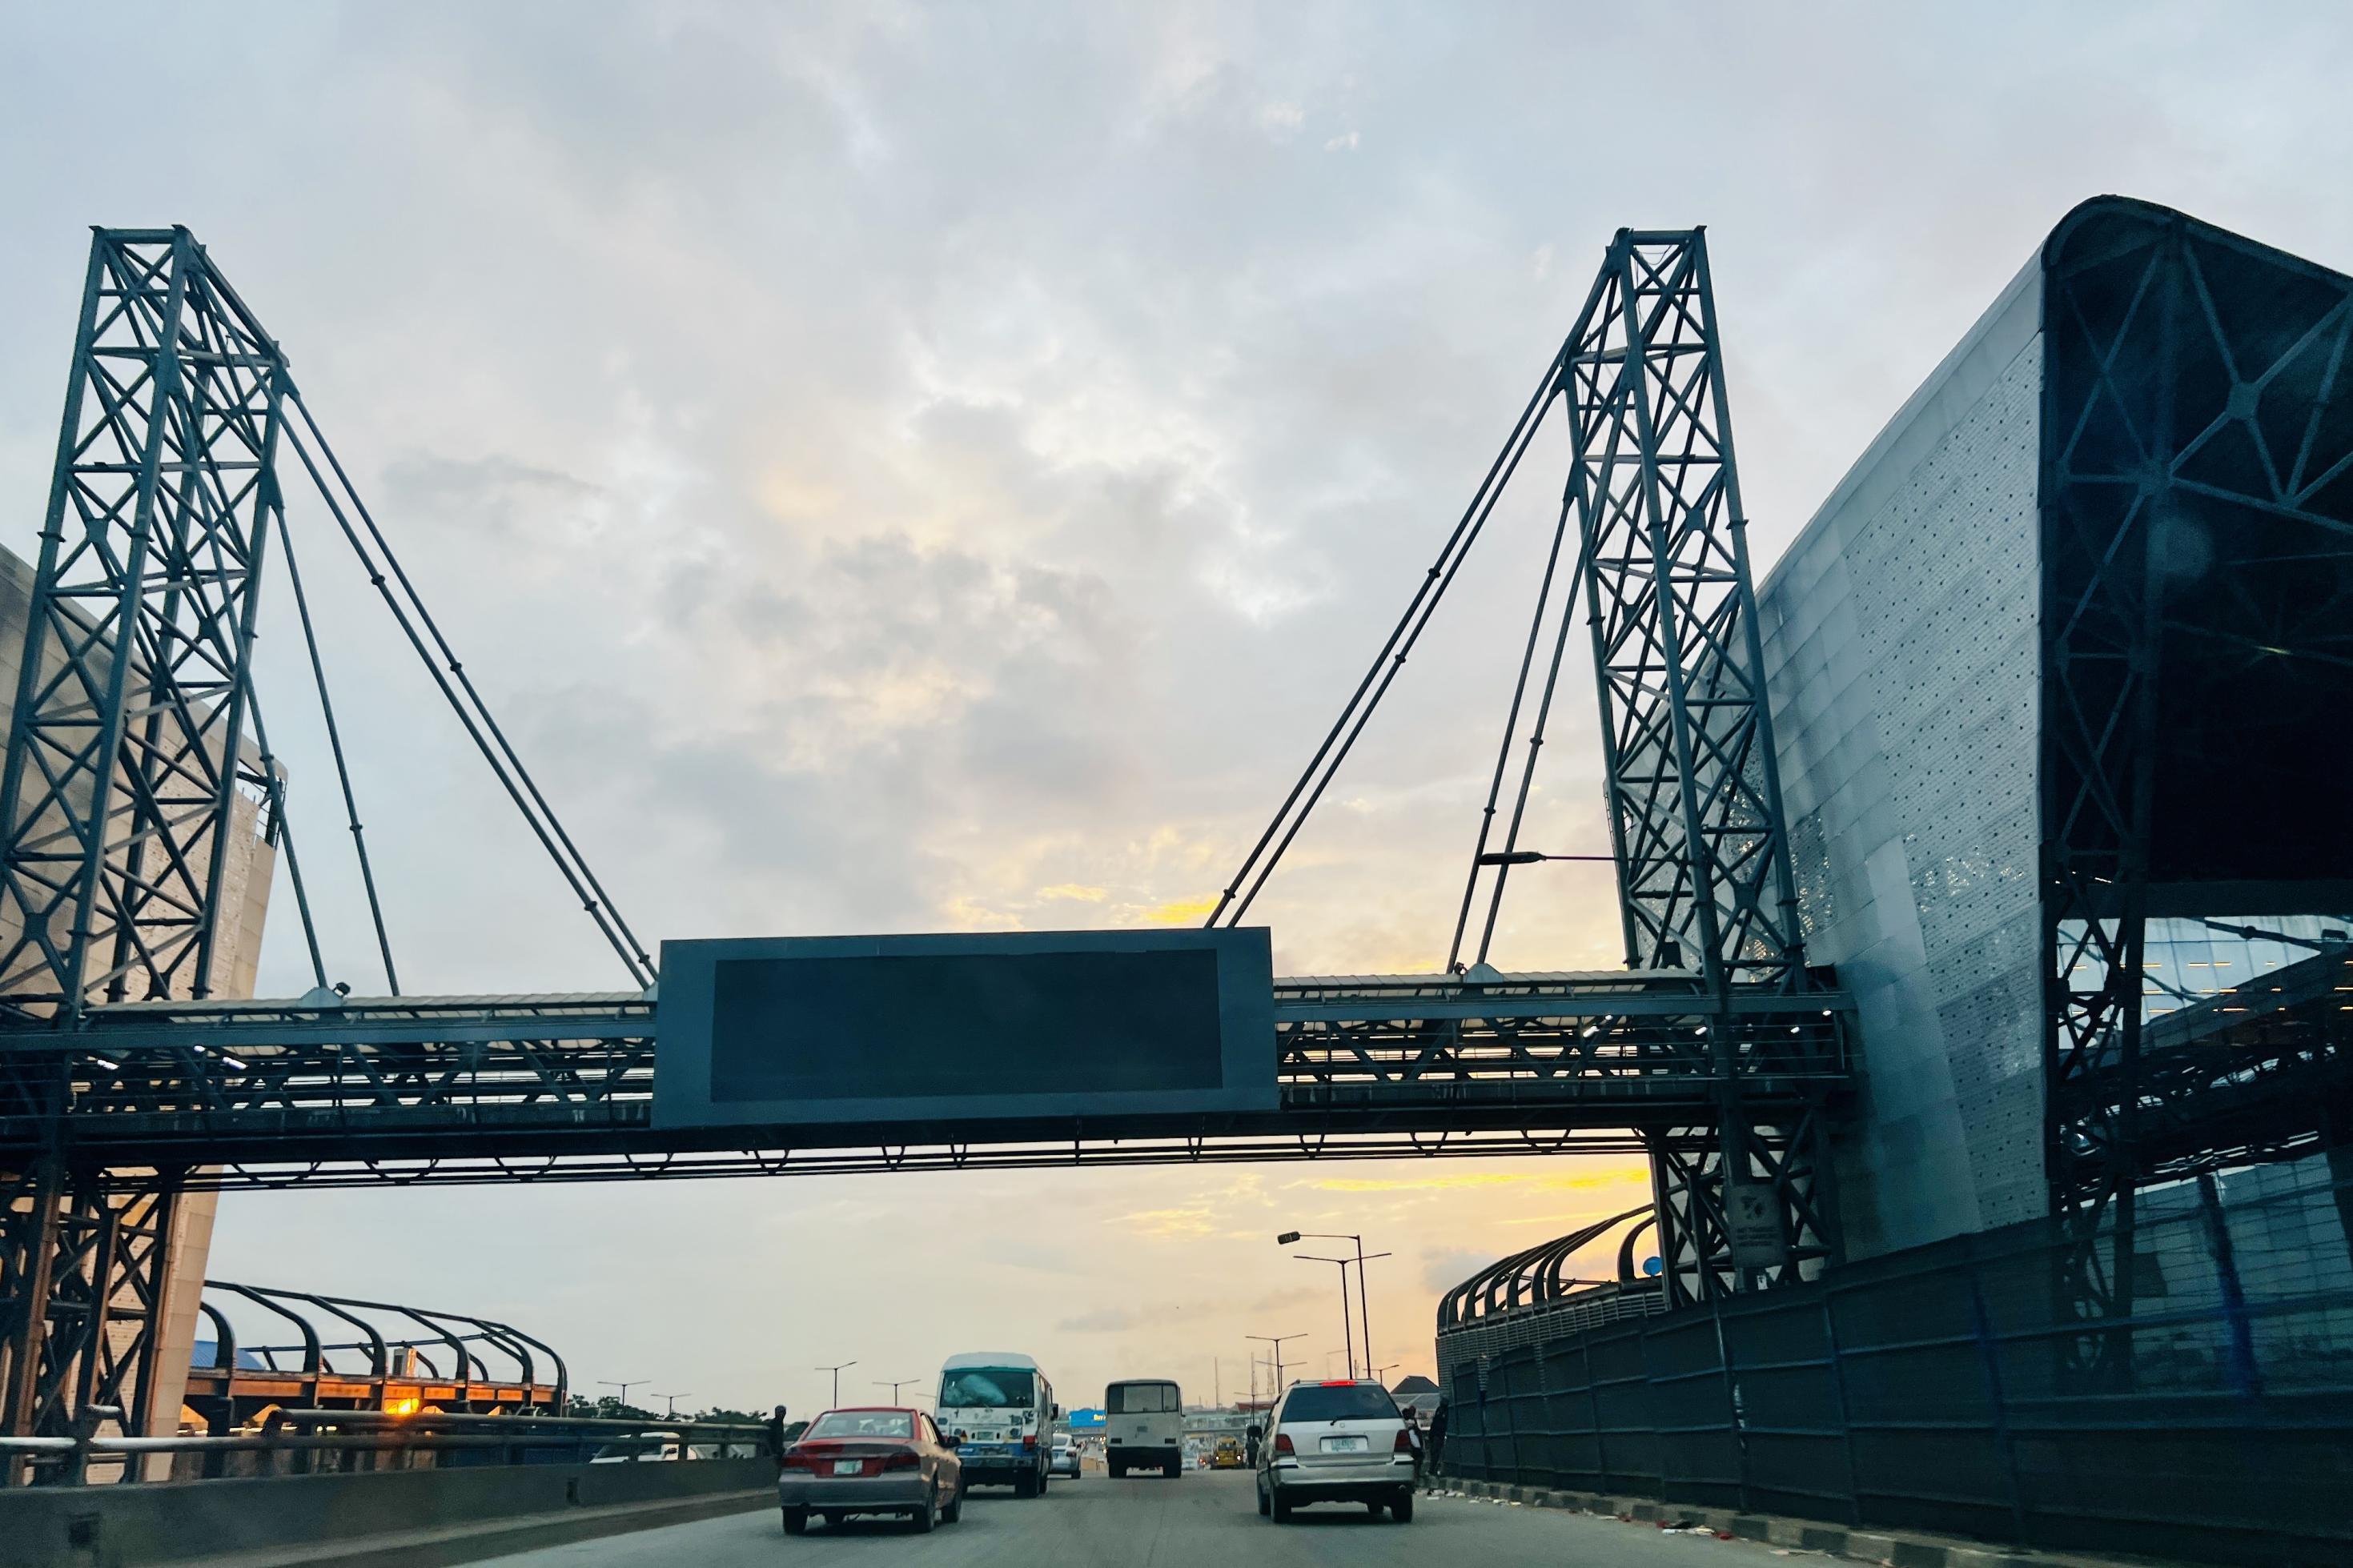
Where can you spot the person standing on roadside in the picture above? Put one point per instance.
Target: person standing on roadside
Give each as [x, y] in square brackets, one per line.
[1437, 1445]
[775, 1428]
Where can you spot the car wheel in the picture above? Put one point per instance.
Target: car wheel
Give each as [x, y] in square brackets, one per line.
[923, 1517]
[796, 1521]
[1026, 1484]
[955, 1511]
[1264, 1508]
[1045, 1478]
[1118, 1471]
[1374, 1509]
[1401, 1508]
[1281, 1512]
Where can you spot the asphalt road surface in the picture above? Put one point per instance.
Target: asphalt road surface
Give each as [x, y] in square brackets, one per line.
[1203, 1519]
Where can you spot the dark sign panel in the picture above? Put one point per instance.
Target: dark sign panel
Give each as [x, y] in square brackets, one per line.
[772, 1032]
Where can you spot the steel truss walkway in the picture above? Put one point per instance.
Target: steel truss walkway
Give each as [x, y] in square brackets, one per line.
[500, 1089]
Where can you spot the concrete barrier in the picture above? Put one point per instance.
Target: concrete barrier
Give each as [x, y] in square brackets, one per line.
[128, 1526]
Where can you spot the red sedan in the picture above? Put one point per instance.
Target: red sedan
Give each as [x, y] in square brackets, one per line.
[882, 1459]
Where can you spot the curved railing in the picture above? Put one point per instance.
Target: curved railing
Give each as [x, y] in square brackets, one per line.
[1538, 1277]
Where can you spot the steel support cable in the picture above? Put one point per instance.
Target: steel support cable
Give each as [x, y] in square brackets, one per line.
[342, 772]
[573, 869]
[1511, 728]
[1536, 742]
[286, 831]
[1393, 653]
[639, 962]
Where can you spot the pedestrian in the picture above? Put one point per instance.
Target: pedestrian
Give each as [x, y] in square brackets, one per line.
[775, 1428]
[1413, 1439]
[1438, 1438]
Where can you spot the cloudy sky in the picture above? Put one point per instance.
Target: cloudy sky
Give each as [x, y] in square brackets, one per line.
[903, 468]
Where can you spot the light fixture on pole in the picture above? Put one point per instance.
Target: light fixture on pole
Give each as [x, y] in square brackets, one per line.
[1530, 856]
[1363, 1306]
[1276, 1341]
[672, 1416]
[895, 1384]
[623, 1388]
[837, 1370]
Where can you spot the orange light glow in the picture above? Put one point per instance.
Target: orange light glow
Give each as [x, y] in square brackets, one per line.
[400, 1405]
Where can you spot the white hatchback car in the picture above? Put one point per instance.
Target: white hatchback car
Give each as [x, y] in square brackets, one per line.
[1336, 1442]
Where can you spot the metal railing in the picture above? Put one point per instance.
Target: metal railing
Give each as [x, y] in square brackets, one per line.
[342, 1442]
[1952, 1387]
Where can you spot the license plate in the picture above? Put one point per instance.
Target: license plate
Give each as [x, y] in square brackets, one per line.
[1345, 1445]
[852, 1467]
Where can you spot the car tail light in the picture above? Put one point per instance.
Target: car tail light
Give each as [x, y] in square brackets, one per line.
[1404, 1445]
[1029, 1440]
[795, 1459]
[1283, 1443]
[902, 1462]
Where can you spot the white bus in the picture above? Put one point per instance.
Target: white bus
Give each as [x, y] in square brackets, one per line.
[1001, 1410]
[1143, 1426]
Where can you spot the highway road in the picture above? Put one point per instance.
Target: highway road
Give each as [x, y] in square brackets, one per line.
[1203, 1519]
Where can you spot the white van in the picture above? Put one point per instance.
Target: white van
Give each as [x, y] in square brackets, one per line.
[1143, 1427]
[1000, 1409]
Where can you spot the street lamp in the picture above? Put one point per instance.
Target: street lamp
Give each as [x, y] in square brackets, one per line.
[623, 1388]
[1347, 1330]
[895, 1384]
[1530, 856]
[1276, 1341]
[1363, 1306]
[672, 1416]
[837, 1370]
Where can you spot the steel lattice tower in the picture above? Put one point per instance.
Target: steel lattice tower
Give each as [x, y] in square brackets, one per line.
[119, 794]
[115, 800]
[1693, 792]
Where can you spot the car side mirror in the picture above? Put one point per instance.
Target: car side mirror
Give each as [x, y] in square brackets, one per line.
[950, 1441]
[1057, 1413]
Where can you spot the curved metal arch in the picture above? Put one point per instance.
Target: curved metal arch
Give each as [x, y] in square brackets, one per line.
[1534, 1276]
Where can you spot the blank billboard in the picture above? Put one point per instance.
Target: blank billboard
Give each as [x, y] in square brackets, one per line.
[774, 1032]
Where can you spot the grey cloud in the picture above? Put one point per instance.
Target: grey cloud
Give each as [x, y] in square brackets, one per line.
[475, 492]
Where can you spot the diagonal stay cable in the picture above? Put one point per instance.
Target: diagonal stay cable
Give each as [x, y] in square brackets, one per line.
[1536, 748]
[277, 788]
[1512, 719]
[342, 772]
[1309, 789]
[541, 821]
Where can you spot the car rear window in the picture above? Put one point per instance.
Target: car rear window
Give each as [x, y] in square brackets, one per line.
[841, 1424]
[1347, 1402]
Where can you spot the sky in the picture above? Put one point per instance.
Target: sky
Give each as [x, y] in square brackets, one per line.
[901, 468]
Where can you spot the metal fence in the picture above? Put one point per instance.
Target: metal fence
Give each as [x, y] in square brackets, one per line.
[344, 1442]
[1956, 1388]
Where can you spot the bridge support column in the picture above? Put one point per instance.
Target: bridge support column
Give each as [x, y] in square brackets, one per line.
[1775, 1223]
[86, 1293]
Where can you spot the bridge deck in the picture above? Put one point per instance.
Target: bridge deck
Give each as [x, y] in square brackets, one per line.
[560, 1086]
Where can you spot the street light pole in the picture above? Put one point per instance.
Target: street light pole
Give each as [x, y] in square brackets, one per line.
[1364, 1303]
[623, 1388]
[673, 1404]
[895, 1384]
[1347, 1328]
[837, 1370]
[1276, 1341]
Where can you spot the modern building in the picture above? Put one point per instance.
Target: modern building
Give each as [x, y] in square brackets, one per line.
[2072, 641]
